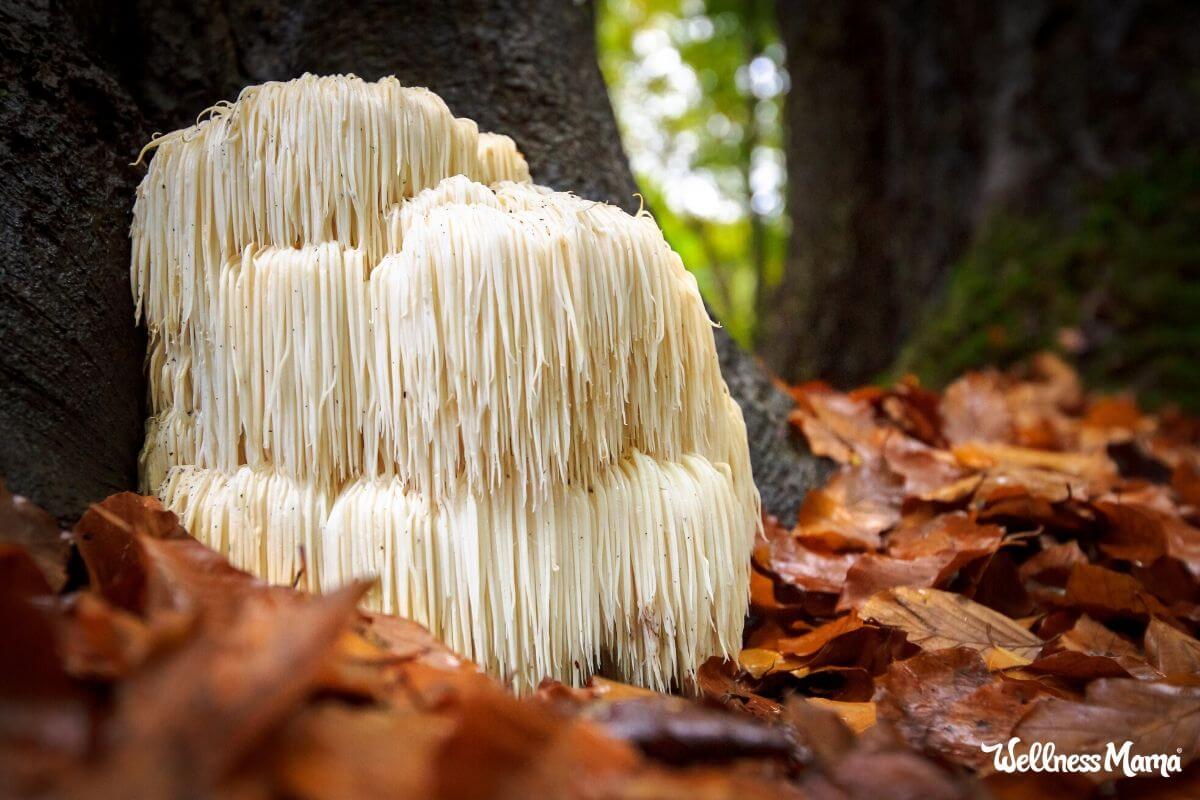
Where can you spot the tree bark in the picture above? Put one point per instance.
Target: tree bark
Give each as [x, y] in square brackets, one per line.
[527, 69]
[70, 356]
[912, 123]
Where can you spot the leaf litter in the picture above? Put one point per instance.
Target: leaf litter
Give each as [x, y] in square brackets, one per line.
[1013, 557]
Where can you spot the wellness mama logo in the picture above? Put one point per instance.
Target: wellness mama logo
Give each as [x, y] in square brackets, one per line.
[1117, 759]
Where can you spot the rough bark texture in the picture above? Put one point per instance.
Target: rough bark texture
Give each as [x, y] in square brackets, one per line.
[73, 410]
[70, 357]
[911, 123]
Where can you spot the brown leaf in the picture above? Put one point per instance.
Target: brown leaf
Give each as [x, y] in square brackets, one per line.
[983, 455]
[1089, 650]
[975, 409]
[872, 573]
[926, 471]
[1052, 565]
[820, 733]
[850, 513]
[811, 642]
[398, 661]
[1172, 652]
[1184, 786]
[1155, 717]
[108, 535]
[331, 751]
[926, 554]
[499, 747]
[1115, 415]
[1106, 594]
[915, 411]
[1135, 532]
[858, 717]
[1185, 480]
[844, 644]
[26, 527]
[851, 684]
[955, 532]
[45, 725]
[182, 725]
[947, 702]
[720, 680]
[935, 620]
[868, 774]
[759, 662]
[839, 426]
[809, 568]
[103, 642]
[672, 730]
[19, 573]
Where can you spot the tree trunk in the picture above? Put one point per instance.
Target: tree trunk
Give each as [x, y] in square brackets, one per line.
[912, 123]
[70, 356]
[527, 69]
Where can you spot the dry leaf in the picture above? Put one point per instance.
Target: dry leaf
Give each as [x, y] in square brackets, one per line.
[857, 716]
[1172, 652]
[935, 620]
[949, 702]
[1157, 717]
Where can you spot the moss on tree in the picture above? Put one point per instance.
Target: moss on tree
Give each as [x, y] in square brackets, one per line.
[1118, 290]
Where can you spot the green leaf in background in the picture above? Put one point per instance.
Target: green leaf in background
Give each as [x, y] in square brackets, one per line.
[698, 89]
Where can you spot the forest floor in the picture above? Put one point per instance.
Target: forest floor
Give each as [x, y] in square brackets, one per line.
[1012, 559]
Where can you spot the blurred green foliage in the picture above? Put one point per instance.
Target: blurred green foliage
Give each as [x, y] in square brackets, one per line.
[698, 89]
[1119, 292]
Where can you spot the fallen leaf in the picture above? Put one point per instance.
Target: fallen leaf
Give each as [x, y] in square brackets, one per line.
[1172, 652]
[935, 620]
[949, 702]
[108, 536]
[674, 731]
[332, 751]
[987, 455]
[500, 747]
[1135, 533]
[811, 642]
[1089, 650]
[857, 716]
[758, 662]
[926, 471]
[915, 411]
[807, 567]
[25, 526]
[182, 725]
[1157, 718]
[720, 680]
[1106, 594]
[872, 573]
[1052, 565]
[955, 532]
[850, 513]
[839, 426]
[975, 408]
[1185, 480]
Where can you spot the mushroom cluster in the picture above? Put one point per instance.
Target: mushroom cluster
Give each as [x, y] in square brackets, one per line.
[377, 349]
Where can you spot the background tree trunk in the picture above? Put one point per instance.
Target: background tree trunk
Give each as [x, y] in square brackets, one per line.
[70, 357]
[912, 123]
[71, 418]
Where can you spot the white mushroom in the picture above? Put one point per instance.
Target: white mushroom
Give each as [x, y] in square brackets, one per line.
[503, 401]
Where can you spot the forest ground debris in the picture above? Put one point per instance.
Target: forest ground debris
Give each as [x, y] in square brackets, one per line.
[1011, 558]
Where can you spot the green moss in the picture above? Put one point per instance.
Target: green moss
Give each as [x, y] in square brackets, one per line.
[1124, 283]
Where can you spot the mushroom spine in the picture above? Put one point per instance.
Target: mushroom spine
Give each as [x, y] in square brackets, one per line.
[377, 349]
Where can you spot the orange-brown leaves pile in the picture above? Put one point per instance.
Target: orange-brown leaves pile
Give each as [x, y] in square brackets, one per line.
[168, 673]
[1011, 558]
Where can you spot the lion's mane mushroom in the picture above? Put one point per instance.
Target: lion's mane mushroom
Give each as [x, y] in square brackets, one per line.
[376, 349]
